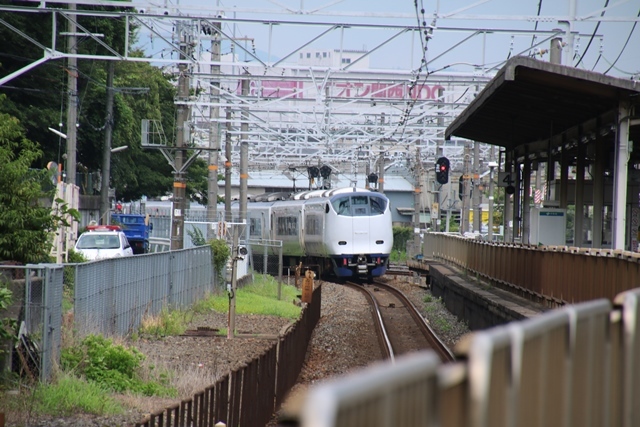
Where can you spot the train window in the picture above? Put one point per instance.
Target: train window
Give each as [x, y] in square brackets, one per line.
[255, 227]
[342, 206]
[313, 225]
[360, 205]
[287, 226]
[378, 205]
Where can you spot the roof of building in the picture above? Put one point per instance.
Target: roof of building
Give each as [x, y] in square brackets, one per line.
[531, 100]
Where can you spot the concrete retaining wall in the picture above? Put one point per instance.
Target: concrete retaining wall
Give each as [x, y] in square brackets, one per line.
[478, 304]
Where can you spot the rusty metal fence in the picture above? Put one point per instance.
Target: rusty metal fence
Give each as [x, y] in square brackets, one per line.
[553, 275]
[250, 395]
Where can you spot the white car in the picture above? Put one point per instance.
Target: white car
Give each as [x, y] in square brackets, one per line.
[103, 241]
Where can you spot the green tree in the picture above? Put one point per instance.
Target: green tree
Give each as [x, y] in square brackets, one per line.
[142, 92]
[38, 98]
[25, 224]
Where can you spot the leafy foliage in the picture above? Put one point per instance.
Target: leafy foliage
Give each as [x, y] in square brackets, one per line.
[25, 224]
[38, 97]
[401, 235]
[7, 326]
[197, 238]
[114, 367]
[220, 252]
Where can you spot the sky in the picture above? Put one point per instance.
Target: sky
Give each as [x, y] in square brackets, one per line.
[611, 47]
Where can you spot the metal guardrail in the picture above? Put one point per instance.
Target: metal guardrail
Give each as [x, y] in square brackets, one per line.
[575, 366]
[563, 274]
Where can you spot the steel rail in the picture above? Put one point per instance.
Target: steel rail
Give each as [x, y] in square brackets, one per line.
[381, 331]
[445, 354]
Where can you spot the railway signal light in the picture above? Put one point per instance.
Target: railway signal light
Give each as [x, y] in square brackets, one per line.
[442, 170]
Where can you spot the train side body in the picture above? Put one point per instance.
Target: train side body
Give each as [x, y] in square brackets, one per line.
[348, 232]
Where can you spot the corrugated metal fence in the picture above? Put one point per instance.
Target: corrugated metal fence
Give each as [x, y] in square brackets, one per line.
[113, 295]
[250, 395]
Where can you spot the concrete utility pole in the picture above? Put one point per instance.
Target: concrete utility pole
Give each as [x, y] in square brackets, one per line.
[232, 286]
[72, 92]
[179, 181]
[227, 170]
[105, 206]
[464, 212]
[381, 159]
[244, 153]
[476, 196]
[417, 202]
[214, 134]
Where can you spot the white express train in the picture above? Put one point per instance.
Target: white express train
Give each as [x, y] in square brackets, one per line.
[347, 231]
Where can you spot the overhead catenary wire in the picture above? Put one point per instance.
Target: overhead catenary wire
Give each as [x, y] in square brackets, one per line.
[624, 46]
[595, 30]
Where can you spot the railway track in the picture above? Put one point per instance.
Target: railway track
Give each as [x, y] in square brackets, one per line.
[399, 325]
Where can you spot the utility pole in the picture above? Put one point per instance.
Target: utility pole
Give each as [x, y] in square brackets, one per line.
[214, 133]
[476, 196]
[227, 170]
[381, 159]
[105, 217]
[417, 199]
[232, 285]
[179, 181]
[464, 212]
[244, 153]
[72, 92]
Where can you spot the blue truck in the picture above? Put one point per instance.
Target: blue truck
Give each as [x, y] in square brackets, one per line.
[137, 229]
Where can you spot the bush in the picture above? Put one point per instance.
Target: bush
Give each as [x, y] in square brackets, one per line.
[111, 366]
[7, 326]
[401, 235]
[220, 253]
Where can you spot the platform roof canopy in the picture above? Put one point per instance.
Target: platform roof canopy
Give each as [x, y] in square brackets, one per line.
[534, 107]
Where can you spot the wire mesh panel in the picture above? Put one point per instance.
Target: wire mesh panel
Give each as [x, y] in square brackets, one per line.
[52, 319]
[113, 295]
[38, 290]
[266, 256]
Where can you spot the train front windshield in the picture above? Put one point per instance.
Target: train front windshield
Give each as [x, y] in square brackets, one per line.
[359, 205]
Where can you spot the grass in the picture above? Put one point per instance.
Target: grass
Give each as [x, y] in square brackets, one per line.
[72, 395]
[259, 298]
[67, 395]
[397, 256]
[168, 322]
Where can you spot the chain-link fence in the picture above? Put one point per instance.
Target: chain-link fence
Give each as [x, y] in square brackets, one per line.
[112, 296]
[37, 308]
